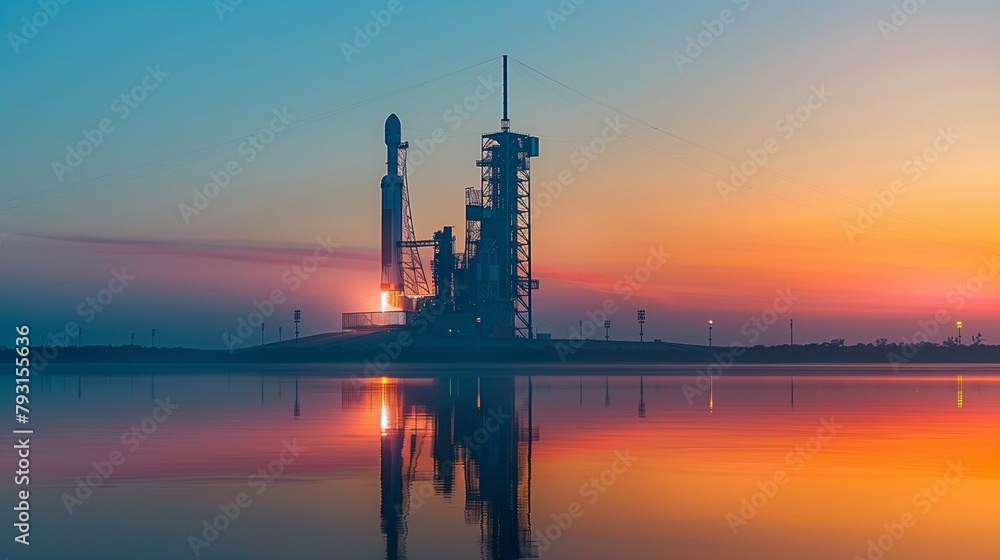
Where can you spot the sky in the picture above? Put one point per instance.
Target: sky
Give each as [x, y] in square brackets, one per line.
[737, 161]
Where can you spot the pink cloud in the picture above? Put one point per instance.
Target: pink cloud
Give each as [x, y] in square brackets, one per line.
[258, 253]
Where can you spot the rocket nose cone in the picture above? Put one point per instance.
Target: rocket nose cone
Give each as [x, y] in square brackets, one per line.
[393, 131]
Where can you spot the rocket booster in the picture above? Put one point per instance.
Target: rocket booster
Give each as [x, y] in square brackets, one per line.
[392, 210]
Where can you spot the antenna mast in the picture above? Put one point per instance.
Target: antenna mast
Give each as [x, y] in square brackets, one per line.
[505, 123]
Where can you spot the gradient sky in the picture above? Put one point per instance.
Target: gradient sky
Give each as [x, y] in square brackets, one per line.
[655, 186]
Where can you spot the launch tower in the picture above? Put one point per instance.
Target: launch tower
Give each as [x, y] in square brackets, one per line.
[485, 291]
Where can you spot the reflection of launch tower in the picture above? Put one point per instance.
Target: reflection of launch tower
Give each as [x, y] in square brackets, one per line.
[482, 432]
[499, 474]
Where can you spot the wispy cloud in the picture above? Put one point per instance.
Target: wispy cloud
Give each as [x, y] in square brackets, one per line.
[260, 253]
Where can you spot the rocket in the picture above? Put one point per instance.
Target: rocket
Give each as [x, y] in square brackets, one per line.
[392, 212]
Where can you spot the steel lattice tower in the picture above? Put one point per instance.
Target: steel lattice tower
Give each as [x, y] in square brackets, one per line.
[414, 279]
[500, 260]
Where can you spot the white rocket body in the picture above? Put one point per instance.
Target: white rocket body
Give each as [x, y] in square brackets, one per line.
[392, 215]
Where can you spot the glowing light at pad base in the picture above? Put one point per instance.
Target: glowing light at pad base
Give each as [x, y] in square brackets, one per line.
[392, 301]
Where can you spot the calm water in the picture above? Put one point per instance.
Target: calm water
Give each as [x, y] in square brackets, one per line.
[763, 463]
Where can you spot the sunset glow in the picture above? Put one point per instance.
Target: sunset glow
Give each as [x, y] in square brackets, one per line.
[876, 204]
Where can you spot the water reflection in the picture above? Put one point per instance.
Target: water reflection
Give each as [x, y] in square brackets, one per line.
[791, 390]
[642, 398]
[459, 470]
[959, 391]
[480, 429]
[297, 411]
[711, 394]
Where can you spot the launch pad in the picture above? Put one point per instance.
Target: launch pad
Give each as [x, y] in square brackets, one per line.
[486, 289]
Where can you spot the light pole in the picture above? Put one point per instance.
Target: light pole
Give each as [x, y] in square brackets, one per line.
[298, 317]
[279, 334]
[791, 332]
[607, 330]
[641, 317]
[960, 333]
[710, 333]
[152, 339]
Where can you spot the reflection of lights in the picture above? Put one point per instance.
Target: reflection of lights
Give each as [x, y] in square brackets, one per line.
[711, 396]
[386, 423]
[385, 417]
[959, 391]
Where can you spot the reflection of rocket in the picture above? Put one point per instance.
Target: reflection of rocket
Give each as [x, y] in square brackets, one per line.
[392, 212]
[394, 488]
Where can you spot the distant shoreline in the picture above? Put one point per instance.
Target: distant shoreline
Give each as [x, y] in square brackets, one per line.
[379, 356]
